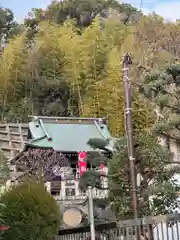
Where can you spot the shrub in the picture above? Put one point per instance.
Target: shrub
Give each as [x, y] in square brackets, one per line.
[31, 212]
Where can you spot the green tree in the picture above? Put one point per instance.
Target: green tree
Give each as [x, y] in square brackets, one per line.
[103, 70]
[84, 12]
[153, 46]
[157, 187]
[162, 89]
[31, 212]
[12, 74]
[67, 74]
[8, 26]
[95, 179]
[6, 20]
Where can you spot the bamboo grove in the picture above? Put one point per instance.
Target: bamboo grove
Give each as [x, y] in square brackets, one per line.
[64, 73]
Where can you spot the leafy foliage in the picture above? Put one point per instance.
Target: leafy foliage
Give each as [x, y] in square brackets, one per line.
[63, 73]
[156, 185]
[6, 20]
[83, 12]
[93, 177]
[30, 212]
[8, 26]
[4, 169]
[162, 89]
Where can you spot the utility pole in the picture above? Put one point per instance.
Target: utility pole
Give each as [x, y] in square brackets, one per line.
[129, 132]
[91, 213]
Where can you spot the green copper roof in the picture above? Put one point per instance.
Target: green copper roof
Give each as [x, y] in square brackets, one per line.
[67, 134]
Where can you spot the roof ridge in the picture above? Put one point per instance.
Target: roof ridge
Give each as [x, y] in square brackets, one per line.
[99, 129]
[64, 118]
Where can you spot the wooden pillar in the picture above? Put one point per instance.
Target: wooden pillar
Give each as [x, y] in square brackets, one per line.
[76, 188]
[12, 154]
[63, 189]
[21, 135]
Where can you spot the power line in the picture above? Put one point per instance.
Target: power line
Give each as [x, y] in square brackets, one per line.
[141, 3]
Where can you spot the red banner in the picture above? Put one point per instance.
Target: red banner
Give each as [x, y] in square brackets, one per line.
[82, 163]
[3, 227]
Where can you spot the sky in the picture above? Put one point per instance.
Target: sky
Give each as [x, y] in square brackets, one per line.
[170, 9]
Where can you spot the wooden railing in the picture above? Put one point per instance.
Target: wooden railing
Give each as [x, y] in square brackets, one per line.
[70, 190]
[74, 193]
[12, 138]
